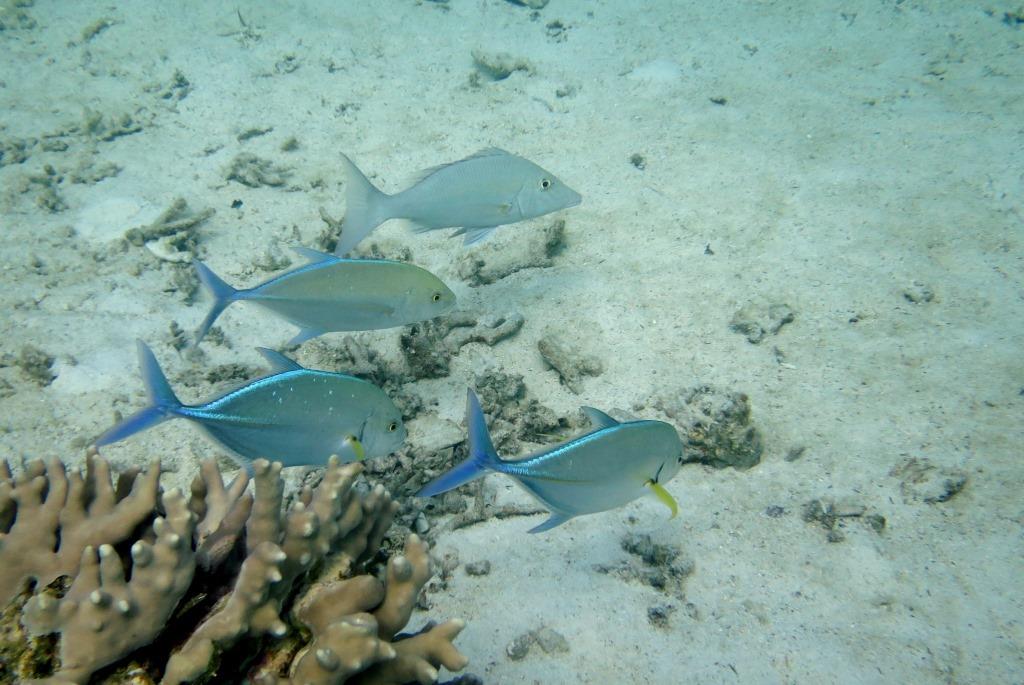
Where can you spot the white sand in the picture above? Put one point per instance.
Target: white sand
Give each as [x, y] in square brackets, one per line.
[860, 148]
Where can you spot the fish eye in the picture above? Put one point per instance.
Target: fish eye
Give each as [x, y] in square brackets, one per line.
[436, 297]
[545, 183]
[392, 427]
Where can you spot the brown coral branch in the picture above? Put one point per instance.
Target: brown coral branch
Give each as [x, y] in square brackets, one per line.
[319, 543]
[418, 657]
[232, 620]
[222, 513]
[103, 616]
[264, 523]
[79, 511]
[406, 575]
[341, 650]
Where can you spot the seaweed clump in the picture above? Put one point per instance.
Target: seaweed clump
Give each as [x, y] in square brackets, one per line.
[130, 584]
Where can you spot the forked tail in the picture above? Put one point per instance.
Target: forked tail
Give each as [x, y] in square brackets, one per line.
[223, 295]
[366, 208]
[162, 401]
[482, 455]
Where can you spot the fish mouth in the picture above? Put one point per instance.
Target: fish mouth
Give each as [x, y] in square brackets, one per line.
[574, 200]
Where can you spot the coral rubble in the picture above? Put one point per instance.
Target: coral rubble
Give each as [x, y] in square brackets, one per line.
[224, 585]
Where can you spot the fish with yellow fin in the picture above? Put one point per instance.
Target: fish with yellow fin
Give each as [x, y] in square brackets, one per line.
[294, 415]
[613, 464]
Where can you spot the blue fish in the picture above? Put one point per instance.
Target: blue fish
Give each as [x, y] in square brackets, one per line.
[294, 415]
[332, 294]
[610, 466]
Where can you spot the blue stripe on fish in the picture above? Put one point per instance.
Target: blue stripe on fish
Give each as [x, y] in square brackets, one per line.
[605, 468]
[294, 415]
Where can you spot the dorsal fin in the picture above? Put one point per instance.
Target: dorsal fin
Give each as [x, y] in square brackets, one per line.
[486, 152]
[599, 418]
[314, 256]
[278, 362]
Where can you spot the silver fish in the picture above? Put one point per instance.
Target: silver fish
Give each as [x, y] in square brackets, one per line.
[610, 466]
[475, 194]
[294, 415]
[332, 294]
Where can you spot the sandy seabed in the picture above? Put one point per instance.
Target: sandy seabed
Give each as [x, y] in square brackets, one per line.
[860, 163]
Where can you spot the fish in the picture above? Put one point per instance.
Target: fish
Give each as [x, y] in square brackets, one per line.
[294, 415]
[612, 465]
[332, 294]
[476, 195]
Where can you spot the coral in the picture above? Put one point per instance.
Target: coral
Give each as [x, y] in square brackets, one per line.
[250, 170]
[664, 567]
[758, 320]
[512, 415]
[33, 362]
[832, 515]
[231, 583]
[716, 425]
[570, 364]
[489, 262]
[922, 481]
[429, 346]
[110, 126]
[498, 66]
[172, 236]
[103, 617]
[14, 150]
[49, 518]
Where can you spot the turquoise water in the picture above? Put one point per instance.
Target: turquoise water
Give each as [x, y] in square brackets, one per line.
[815, 207]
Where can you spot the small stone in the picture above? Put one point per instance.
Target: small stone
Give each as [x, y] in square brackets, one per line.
[449, 562]
[551, 641]
[478, 568]
[922, 481]
[36, 364]
[519, 647]
[659, 615]
[422, 525]
[876, 521]
[758, 320]
[918, 293]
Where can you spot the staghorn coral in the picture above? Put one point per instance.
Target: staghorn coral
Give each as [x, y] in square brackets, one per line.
[232, 585]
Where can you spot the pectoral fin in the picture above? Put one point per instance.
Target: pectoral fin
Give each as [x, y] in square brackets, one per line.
[662, 494]
[473, 235]
[305, 334]
[556, 519]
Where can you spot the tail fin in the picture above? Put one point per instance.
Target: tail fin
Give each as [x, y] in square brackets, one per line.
[162, 401]
[223, 295]
[366, 208]
[482, 455]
